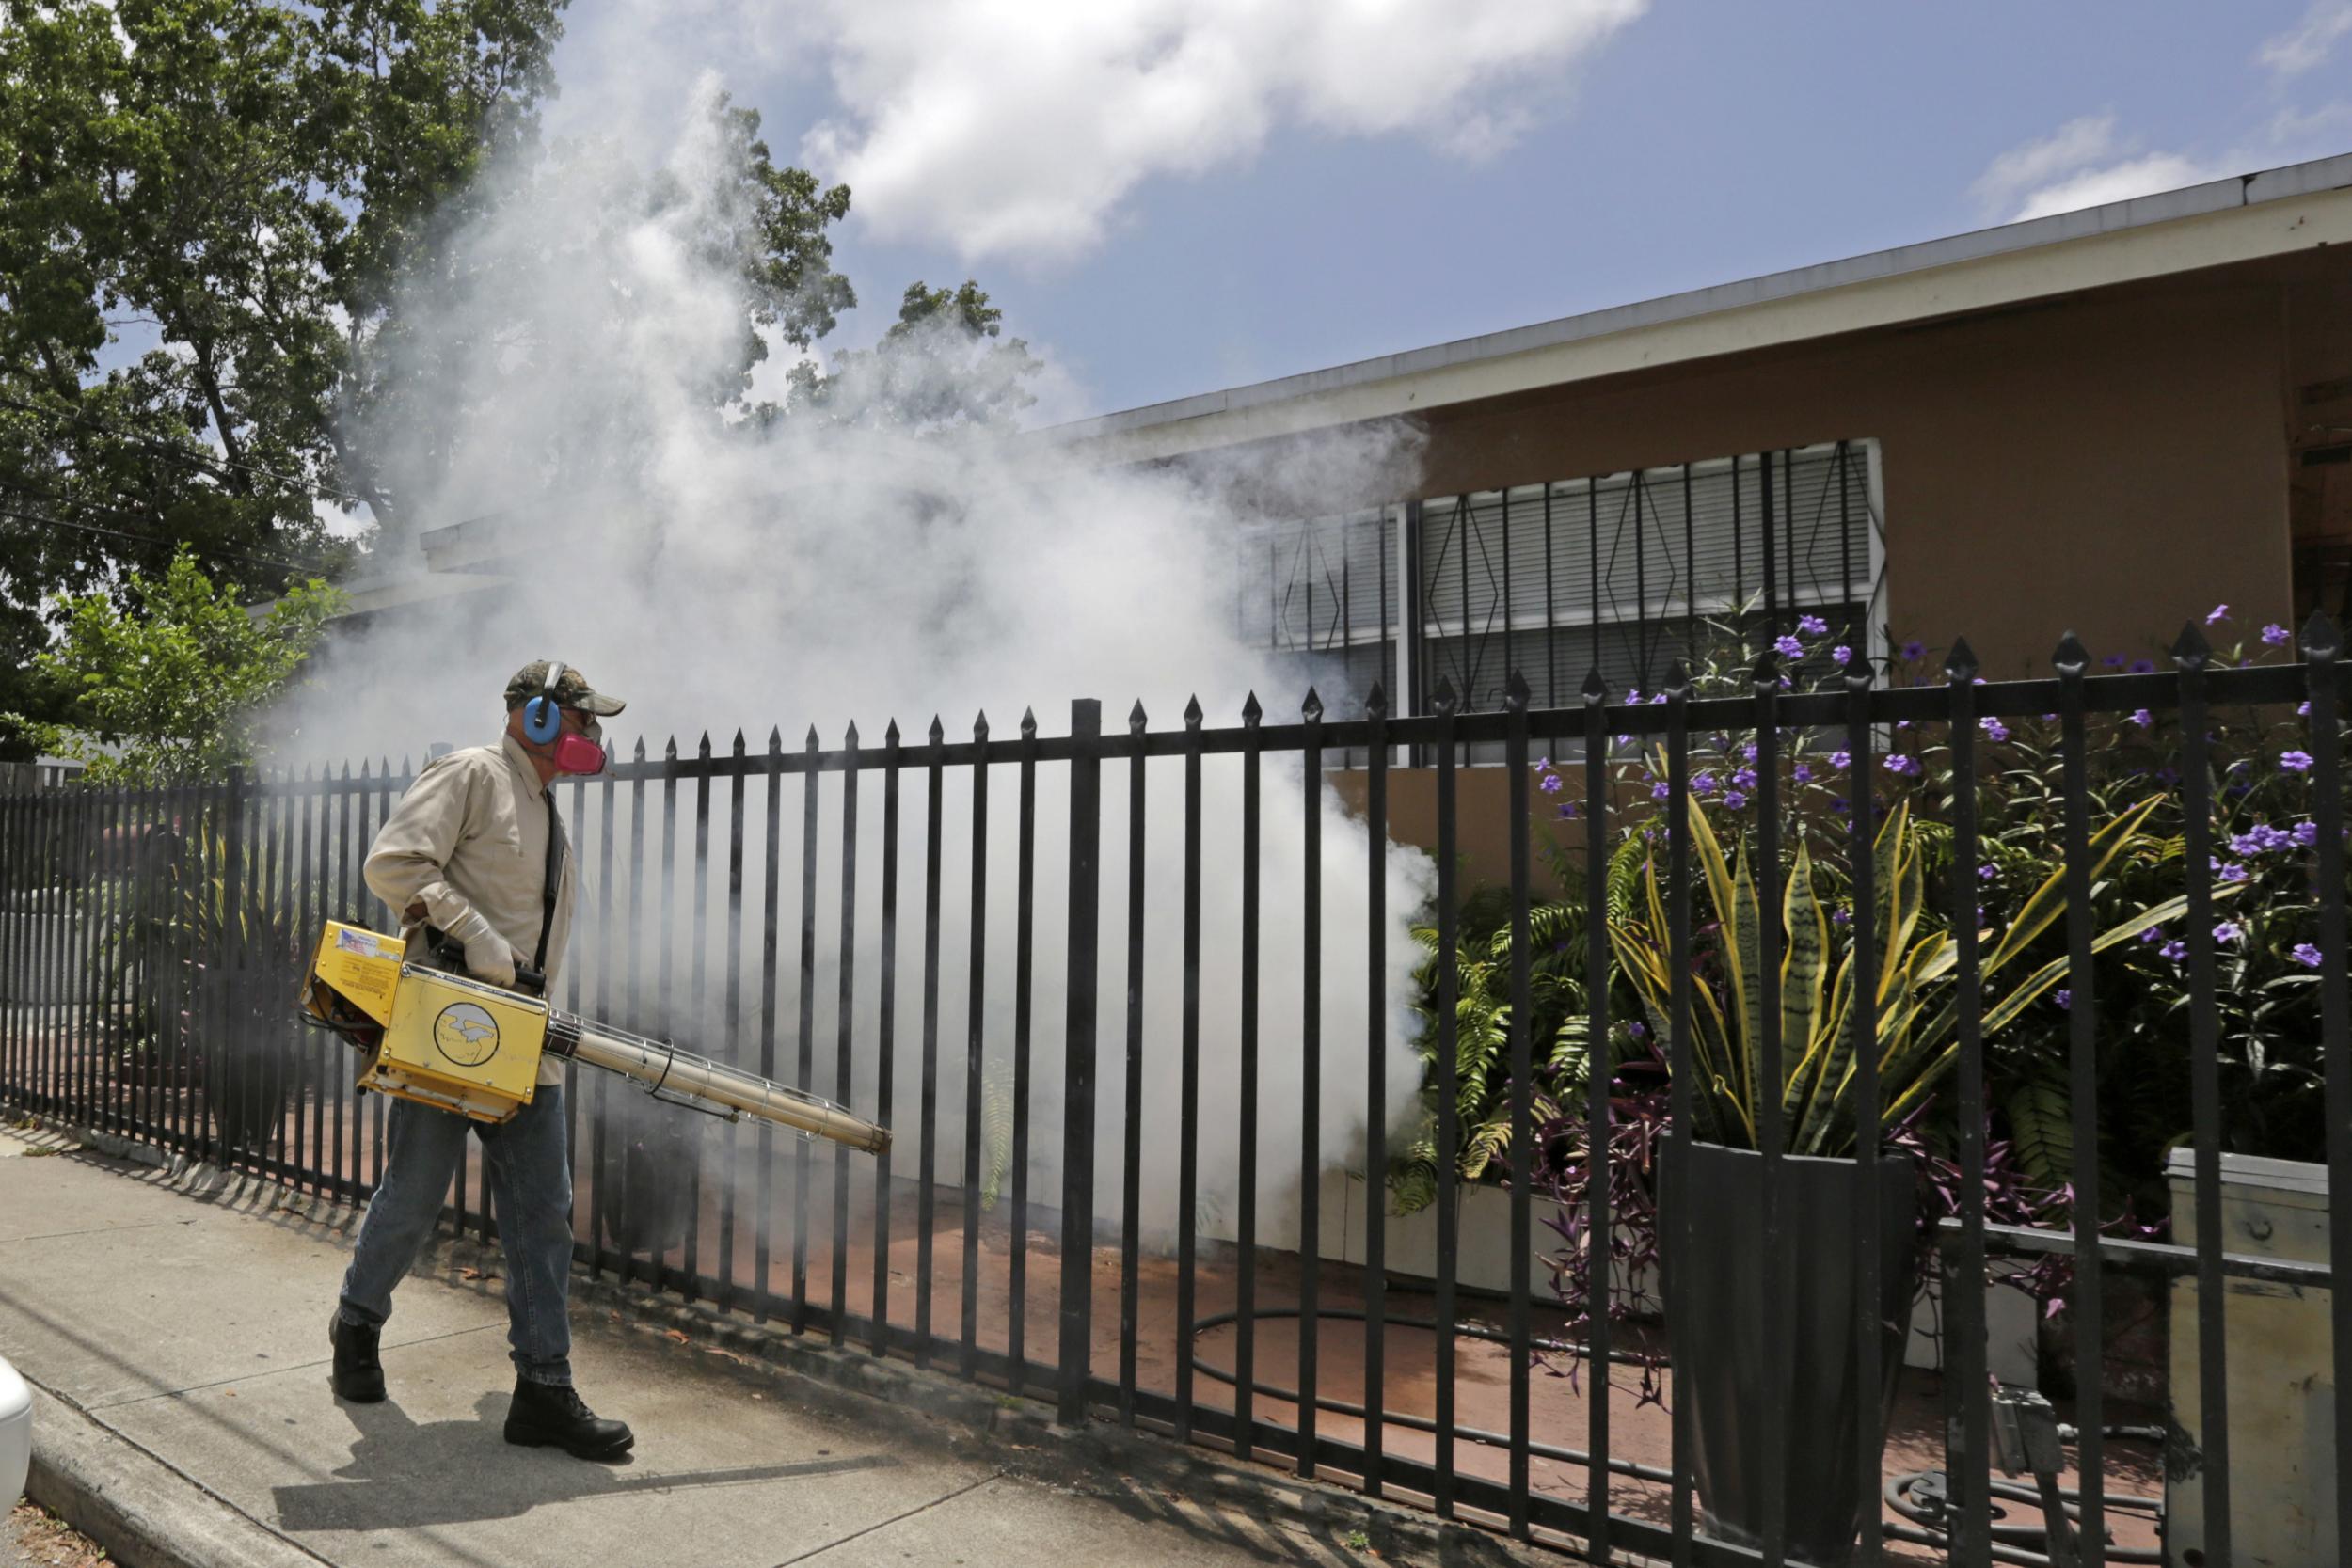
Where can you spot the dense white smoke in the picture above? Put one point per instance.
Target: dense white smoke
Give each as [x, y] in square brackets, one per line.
[835, 572]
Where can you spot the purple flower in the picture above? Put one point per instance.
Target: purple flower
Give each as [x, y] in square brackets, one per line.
[2306, 954]
[1994, 729]
[1637, 1030]
[2221, 613]
[1840, 916]
[2306, 834]
[2303, 709]
[2143, 667]
[2176, 951]
[1567, 811]
[2261, 839]
[1633, 696]
[2064, 998]
[1743, 778]
[1841, 759]
[1802, 773]
[1733, 799]
[1656, 698]
[2154, 933]
[1550, 785]
[1747, 752]
[1986, 872]
[1661, 791]
[1812, 626]
[2296, 762]
[2234, 871]
[2113, 661]
[2143, 718]
[1788, 647]
[1543, 763]
[1915, 651]
[1906, 766]
[1703, 783]
[1841, 654]
[2274, 634]
[2229, 930]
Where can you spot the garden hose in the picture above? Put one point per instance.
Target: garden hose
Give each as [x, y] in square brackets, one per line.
[2011, 1543]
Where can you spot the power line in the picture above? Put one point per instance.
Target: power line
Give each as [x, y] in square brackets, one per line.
[211, 552]
[212, 465]
[59, 499]
[52, 520]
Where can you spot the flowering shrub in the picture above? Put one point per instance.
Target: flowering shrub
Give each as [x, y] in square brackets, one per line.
[2264, 936]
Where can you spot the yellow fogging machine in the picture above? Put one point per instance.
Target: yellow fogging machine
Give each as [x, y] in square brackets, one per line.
[442, 1038]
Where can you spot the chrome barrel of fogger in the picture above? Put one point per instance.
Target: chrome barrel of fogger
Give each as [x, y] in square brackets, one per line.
[668, 1072]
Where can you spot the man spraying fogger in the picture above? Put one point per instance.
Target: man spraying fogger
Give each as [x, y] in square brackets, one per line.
[476, 850]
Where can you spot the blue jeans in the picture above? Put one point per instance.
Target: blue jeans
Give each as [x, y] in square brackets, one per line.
[531, 1174]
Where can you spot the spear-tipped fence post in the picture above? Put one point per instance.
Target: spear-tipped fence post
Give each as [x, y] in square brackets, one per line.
[1077, 1230]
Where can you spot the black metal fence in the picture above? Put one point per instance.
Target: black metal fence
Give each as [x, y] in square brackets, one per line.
[153, 938]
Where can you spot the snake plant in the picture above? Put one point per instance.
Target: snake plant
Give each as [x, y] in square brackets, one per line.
[1913, 992]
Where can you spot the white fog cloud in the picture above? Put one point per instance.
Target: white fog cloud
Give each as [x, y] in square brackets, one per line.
[1016, 130]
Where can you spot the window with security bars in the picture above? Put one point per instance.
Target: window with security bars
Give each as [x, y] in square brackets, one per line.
[1323, 595]
[1628, 572]
[1622, 572]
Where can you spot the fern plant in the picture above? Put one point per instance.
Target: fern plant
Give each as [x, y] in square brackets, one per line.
[1559, 1006]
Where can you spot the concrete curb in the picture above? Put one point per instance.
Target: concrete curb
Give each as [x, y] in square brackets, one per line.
[145, 1513]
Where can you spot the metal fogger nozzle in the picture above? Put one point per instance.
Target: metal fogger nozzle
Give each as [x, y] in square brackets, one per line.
[669, 1073]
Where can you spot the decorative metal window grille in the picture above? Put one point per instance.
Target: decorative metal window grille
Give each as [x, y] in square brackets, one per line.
[1625, 572]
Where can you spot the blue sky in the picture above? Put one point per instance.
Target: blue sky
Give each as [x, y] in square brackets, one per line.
[1662, 146]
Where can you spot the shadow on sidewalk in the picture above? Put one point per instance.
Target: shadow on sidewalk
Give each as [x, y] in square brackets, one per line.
[405, 1476]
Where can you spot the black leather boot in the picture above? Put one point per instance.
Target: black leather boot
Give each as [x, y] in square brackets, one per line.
[358, 1375]
[550, 1415]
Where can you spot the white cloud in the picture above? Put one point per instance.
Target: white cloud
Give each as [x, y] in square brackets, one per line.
[2308, 42]
[1017, 127]
[2073, 144]
[2082, 164]
[2096, 187]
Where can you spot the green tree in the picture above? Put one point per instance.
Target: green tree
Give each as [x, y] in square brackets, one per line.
[165, 685]
[199, 202]
[943, 364]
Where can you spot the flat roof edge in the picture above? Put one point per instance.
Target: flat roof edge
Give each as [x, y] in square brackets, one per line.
[2191, 201]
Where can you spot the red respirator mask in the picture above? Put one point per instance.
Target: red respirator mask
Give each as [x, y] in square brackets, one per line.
[579, 753]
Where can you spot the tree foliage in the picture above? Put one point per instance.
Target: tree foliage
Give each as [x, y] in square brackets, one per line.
[943, 364]
[201, 202]
[167, 687]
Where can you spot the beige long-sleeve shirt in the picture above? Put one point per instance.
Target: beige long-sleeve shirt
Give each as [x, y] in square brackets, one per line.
[473, 833]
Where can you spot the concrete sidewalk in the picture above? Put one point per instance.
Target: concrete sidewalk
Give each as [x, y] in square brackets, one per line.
[184, 1345]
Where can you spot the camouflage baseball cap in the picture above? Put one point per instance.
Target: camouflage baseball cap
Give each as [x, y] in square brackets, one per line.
[571, 689]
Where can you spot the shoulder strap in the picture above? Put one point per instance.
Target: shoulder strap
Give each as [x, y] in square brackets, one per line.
[554, 881]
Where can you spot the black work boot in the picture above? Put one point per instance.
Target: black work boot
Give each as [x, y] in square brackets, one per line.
[550, 1415]
[358, 1375]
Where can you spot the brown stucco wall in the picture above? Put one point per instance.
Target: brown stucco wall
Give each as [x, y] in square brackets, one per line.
[2111, 465]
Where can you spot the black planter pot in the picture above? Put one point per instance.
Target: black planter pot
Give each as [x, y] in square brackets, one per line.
[1722, 1360]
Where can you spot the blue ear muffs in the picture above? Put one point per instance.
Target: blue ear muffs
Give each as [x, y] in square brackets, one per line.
[543, 719]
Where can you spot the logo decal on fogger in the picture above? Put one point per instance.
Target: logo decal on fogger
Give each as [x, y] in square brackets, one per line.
[466, 1033]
